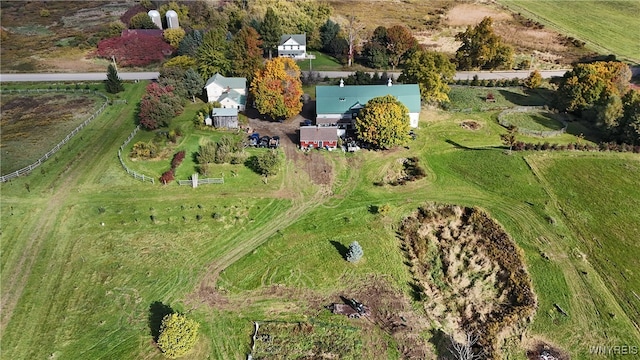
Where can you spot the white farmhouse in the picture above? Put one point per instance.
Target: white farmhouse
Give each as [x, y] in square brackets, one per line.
[293, 46]
[230, 92]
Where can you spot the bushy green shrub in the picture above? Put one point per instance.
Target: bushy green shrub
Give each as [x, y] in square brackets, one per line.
[178, 335]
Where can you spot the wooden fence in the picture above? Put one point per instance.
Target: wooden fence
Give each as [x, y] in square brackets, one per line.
[50, 153]
[129, 171]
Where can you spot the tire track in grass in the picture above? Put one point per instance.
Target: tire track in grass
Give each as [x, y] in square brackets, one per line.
[46, 219]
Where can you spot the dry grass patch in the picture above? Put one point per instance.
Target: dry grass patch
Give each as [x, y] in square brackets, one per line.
[472, 14]
[468, 274]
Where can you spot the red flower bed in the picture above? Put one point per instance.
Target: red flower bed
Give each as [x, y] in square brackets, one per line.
[134, 49]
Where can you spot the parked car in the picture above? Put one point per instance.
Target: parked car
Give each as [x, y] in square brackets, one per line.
[274, 142]
[264, 142]
[254, 139]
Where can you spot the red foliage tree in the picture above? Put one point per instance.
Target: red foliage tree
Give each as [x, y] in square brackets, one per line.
[134, 49]
[158, 106]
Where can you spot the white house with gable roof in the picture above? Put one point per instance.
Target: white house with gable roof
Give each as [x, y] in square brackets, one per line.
[230, 92]
[293, 46]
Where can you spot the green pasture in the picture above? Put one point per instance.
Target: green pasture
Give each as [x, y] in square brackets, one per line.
[609, 27]
[473, 98]
[87, 250]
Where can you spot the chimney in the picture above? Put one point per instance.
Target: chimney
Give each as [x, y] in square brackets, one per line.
[389, 82]
[341, 83]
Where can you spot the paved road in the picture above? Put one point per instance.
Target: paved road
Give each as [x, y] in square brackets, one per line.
[75, 76]
[332, 74]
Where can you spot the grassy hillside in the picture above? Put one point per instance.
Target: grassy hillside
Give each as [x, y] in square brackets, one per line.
[89, 254]
[609, 27]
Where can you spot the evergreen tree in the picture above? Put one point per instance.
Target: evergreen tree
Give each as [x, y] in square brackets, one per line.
[113, 84]
[193, 84]
[270, 31]
[355, 252]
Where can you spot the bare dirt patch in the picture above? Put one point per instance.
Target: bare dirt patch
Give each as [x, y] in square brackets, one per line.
[470, 125]
[312, 162]
[472, 14]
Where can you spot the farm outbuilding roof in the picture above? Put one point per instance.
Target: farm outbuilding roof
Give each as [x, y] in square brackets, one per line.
[341, 99]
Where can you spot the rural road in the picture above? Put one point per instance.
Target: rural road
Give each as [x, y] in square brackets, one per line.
[463, 75]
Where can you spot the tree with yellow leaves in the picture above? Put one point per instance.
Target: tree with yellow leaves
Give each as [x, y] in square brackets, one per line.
[277, 89]
[383, 122]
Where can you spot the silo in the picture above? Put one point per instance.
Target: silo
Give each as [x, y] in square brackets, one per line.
[172, 19]
[155, 17]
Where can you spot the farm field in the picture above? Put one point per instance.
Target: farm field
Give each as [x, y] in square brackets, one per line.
[54, 114]
[606, 26]
[91, 257]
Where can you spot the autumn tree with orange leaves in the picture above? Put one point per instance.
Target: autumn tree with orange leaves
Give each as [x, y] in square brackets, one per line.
[276, 89]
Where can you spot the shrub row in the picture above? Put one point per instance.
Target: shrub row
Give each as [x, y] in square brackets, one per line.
[488, 83]
[134, 49]
[170, 174]
[603, 146]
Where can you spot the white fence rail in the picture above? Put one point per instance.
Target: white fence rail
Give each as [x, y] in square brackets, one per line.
[129, 171]
[50, 153]
[202, 181]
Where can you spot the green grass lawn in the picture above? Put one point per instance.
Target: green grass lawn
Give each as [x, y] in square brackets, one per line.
[87, 250]
[537, 121]
[322, 62]
[606, 26]
[467, 98]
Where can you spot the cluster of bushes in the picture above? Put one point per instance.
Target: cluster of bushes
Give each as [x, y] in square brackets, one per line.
[488, 83]
[144, 150]
[225, 150]
[134, 49]
[603, 146]
[412, 170]
[170, 174]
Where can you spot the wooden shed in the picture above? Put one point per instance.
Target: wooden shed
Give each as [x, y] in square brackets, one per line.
[225, 118]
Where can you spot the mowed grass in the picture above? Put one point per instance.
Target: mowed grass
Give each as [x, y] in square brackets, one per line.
[82, 289]
[537, 121]
[606, 221]
[322, 62]
[609, 27]
[468, 98]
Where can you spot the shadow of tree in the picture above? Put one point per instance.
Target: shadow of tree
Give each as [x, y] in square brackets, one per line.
[442, 343]
[342, 250]
[157, 312]
[528, 99]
